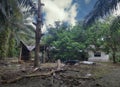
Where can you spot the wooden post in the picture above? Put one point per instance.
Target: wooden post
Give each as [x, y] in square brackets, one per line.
[19, 59]
[58, 64]
[44, 58]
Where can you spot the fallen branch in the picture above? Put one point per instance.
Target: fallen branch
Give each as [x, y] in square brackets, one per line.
[31, 75]
[83, 78]
[39, 74]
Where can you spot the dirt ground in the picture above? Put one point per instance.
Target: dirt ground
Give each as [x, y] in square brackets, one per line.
[81, 75]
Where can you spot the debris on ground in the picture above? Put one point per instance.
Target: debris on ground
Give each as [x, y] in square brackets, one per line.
[88, 62]
[57, 75]
[71, 62]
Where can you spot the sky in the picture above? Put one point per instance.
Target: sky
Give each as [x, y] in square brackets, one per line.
[69, 11]
[117, 12]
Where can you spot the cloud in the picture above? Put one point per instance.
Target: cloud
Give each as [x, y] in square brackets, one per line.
[56, 11]
[117, 11]
[87, 1]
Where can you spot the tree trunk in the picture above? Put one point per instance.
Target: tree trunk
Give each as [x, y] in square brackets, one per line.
[36, 61]
[38, 36]
[11, 45]
[4, 38]
[44, 57]
[114, 57]
[37, 46]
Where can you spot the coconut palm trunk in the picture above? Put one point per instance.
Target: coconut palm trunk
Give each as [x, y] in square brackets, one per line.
[38, 35]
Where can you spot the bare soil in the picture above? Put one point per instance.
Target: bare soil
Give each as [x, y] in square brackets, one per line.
[81, 75]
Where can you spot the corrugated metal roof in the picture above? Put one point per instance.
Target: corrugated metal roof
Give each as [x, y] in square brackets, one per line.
[30, 48]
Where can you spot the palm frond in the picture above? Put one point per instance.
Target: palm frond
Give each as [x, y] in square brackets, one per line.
[115, 26]
[27, 6]
[3, 10]
[101, 8]
[17, 19]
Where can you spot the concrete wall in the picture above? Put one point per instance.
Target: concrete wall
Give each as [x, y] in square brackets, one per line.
[104, 57]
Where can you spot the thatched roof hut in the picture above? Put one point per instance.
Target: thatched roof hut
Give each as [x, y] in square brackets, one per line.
[25, 52]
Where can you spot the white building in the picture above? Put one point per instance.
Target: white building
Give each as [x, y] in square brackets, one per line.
[98, 55]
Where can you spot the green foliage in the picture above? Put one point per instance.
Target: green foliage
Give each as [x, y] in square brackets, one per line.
[12, 28]
[11, 48]
[4, 43]
[104, 35]
[115, 38]
[68, 42]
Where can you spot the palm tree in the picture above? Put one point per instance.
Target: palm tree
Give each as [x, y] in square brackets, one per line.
[105, 7]
[115, 38]
[12, 14]
[101, 8]
[12, 23]
[13, 11]
[7, 7]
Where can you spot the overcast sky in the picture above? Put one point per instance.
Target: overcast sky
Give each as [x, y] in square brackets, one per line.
[66, 10]
[69, 11]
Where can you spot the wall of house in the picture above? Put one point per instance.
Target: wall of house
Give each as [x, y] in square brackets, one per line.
[104, 57]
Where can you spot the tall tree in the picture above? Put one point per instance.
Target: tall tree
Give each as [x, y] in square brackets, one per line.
[107, 35]
[114, 38]
[101, 8]
[9, 13]
[67, 42]
[38, 34]
[12, 23]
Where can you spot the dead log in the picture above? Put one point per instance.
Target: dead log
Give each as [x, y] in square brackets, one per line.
[44, 74]
[11, 80]
[39, 74]
[31, 75]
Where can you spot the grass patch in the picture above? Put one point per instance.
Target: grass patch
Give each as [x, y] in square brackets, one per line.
[102, 69]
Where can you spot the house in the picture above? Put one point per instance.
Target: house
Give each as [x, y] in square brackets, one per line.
[97, 55]
[26, 51]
